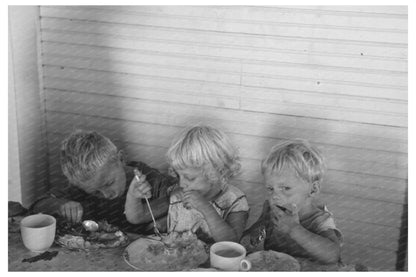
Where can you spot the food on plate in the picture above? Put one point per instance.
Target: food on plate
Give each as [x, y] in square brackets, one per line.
[272, 261]
[176, 251]
[90, 225]
[77, 237]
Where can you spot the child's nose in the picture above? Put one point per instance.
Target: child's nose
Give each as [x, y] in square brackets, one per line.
[276, 196]
[108, 194]
[183, 184]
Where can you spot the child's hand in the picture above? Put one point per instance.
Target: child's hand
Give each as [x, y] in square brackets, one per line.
[139, 187]
[71, 211]
[285, 217]
[193, 199]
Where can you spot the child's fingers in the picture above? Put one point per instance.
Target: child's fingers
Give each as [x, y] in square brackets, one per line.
[146, 194]
[187, 205]
[141, 177]
[294, 208]
[186, 201]
[74, 214]
[139, 184]
[143, 187]
[144, 190]
[266, 207]
[290, 209]
[275, 219]
[64, 214]
[191, 196]
[71, 214]
[187, 195]
[72, 211]
[180, 193]
[78, 213]
[62, 211]
[190, 193]
[186, 198]
[278, 211]
[137, 172]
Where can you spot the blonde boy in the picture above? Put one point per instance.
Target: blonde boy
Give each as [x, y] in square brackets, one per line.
[294, 221]
[100, 185]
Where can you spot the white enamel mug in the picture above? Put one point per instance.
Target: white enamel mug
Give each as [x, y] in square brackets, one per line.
[38, 232]
[229, 256]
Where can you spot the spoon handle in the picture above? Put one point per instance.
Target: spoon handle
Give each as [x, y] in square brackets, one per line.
[157, 232]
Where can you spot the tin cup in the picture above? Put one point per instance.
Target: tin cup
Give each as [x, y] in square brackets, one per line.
[38, 232]
[229, 256]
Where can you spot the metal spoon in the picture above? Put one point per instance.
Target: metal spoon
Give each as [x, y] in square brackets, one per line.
[137, 174]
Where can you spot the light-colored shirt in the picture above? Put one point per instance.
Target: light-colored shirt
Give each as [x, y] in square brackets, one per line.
[181, 219]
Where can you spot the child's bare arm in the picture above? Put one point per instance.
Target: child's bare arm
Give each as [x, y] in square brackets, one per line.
[71, 210]
[317, 246]
[221, 230]
[134, 208]
[136, 211]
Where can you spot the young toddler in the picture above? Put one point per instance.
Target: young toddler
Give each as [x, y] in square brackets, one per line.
[204, 201]
[294, 220]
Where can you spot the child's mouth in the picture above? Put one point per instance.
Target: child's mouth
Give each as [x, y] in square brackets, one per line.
[281, 207]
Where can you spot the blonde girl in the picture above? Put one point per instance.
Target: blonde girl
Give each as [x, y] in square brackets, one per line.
[204, 201]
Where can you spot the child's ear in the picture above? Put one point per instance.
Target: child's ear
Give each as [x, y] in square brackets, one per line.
[315, 188]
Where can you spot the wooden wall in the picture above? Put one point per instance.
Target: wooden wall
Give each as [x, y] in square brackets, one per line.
[27, 158]
[335, 75]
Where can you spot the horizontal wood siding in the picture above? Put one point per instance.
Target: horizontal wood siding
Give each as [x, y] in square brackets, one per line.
[335, 75]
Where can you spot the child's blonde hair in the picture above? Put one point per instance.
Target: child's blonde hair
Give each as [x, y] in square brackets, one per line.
[304, 158]
[83, 153]
[207, 148]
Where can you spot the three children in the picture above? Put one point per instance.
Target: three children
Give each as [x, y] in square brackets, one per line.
[202, 197]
